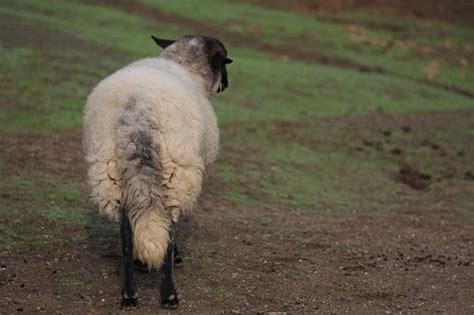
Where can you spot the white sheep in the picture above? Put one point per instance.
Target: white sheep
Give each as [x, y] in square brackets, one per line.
[149, 133]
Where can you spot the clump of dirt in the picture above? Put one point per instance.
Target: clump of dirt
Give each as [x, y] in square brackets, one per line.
[406, 129]
[434, 146]
[413, 178]
[396, 151]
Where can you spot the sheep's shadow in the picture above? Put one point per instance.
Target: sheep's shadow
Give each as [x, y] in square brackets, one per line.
[103, 243]
[102, 237]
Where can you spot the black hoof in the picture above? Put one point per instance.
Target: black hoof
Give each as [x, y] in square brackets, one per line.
[171, 302]
[129, 303]
[178, 261]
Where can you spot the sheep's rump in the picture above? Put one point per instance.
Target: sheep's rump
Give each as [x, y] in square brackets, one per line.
[147, 146]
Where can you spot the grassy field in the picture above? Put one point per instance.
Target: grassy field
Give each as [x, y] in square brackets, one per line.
[345, 173]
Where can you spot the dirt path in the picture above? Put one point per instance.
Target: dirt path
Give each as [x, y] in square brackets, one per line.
[356, 263]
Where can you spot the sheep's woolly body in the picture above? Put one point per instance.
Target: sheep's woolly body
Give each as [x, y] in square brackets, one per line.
[149, 133]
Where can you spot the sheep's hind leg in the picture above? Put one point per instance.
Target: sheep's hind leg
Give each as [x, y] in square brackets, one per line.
[129, 294]
[140, 266]
[169, 297]
[177, 260]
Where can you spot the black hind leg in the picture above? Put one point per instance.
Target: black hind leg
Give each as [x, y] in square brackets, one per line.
[169, 297]
[177, 260]
[129, 294]
[140, 266]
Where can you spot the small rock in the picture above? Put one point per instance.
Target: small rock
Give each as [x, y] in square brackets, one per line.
[248, 241]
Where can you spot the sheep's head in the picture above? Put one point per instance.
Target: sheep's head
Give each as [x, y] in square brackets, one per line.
[202, 55]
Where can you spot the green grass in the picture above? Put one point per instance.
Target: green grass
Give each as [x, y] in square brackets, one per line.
[317, 169]
[311, 166]
[334, 39]
[314, 90]
[300, 90]
[37, 205]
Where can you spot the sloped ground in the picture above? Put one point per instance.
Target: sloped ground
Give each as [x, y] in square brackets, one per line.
[443, 10]
[325, 197]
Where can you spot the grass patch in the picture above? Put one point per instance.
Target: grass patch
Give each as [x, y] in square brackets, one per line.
[357, 36]
[300, 89]
[38, 205]
[317, 168]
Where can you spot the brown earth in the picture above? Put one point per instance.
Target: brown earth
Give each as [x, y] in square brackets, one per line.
[304, 263]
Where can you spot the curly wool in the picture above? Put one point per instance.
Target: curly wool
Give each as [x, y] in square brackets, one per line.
[149, 133]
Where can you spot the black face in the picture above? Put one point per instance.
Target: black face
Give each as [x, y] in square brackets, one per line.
[219, 63]
[218, 60]
[216, 54]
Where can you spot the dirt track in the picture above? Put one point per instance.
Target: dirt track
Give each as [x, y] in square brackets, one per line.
[354, 263]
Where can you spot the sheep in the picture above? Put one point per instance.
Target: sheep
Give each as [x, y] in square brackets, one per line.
[149, 134]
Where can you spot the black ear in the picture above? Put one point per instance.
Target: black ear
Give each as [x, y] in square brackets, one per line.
[163, 43]
[228, 61]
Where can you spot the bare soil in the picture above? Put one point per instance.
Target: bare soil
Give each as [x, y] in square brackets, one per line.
[17, 33]
[442, 10]
[305, 263]
[57, 154]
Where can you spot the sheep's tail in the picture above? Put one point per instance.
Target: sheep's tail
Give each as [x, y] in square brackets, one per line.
[141, 198]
